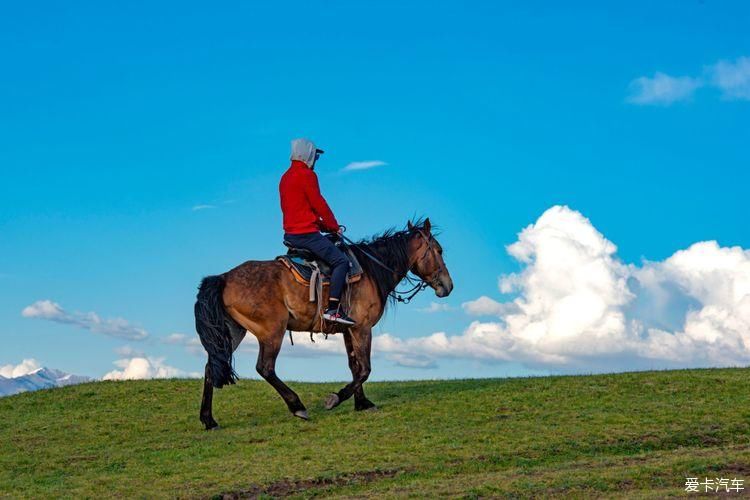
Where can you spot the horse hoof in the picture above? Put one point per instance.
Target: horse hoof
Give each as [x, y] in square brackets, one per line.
[301, 414]
[365, 406]
[332, 401]
[214, 427]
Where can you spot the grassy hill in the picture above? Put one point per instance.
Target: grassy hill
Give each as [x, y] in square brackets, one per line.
[615, 435]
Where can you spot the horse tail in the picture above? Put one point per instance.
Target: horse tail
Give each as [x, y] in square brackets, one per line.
[211, 322]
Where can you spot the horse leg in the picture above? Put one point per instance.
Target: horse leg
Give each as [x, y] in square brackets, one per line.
[360, 400]
[206, 403]
[358, 341]
[206, 416]
[266, 367]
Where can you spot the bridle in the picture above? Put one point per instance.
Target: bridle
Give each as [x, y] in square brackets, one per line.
[435, 278]
[418, 284]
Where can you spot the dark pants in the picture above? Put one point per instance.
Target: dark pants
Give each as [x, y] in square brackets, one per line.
[324, 249]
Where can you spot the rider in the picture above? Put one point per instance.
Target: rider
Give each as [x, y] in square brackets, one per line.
[306, 213]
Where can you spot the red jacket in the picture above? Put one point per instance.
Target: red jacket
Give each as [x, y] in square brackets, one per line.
[305, 210]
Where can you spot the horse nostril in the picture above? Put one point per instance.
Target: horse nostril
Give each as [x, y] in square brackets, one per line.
[447, 285]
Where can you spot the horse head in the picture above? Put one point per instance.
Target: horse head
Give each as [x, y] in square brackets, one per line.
[427, 259]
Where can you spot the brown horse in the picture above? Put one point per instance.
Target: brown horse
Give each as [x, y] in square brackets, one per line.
[262, 297]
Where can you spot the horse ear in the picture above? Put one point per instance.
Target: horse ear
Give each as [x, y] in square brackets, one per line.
[427, 225]
[409, 225]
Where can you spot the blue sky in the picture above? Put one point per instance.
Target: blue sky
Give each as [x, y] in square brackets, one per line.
[117, 121]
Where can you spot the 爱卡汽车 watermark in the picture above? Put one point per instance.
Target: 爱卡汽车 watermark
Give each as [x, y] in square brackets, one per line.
[714, 485]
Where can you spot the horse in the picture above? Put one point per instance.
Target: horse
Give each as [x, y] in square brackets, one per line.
[263, 298]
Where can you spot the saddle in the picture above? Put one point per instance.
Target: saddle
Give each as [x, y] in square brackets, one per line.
[307, 269]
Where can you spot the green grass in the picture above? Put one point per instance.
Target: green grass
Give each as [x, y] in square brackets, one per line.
[635, 434]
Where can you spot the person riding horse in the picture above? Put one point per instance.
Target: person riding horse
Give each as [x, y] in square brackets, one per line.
[263, 298]
[306, 213]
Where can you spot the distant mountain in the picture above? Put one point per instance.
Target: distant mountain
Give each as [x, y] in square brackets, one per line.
[42, 378]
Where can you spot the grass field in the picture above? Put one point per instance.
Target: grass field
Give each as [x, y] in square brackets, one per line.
[635, 434]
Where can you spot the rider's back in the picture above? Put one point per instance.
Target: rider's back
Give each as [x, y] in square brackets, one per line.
[303, 207]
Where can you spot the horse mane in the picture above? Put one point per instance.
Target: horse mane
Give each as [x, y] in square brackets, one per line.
[390, 247]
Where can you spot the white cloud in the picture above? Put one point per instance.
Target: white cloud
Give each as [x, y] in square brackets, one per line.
[485, 306]
[137, 366]
[191, 343]
[114, 327]
[364, 165]
[412, 360]
[25, 367]
[478, 342]
[175, 338]
[732, 78]
[196, 208]
[435, 307]
[580, 308]
[127, 351]
[662, 89]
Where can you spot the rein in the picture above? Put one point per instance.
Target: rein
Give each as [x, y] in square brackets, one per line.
[401, 296]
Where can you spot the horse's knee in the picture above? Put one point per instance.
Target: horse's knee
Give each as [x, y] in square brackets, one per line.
[363, 373]
[264, 369]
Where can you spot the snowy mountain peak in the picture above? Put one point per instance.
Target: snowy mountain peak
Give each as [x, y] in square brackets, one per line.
[41, 378]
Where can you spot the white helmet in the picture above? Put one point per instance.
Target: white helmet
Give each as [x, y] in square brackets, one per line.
[305, 151]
